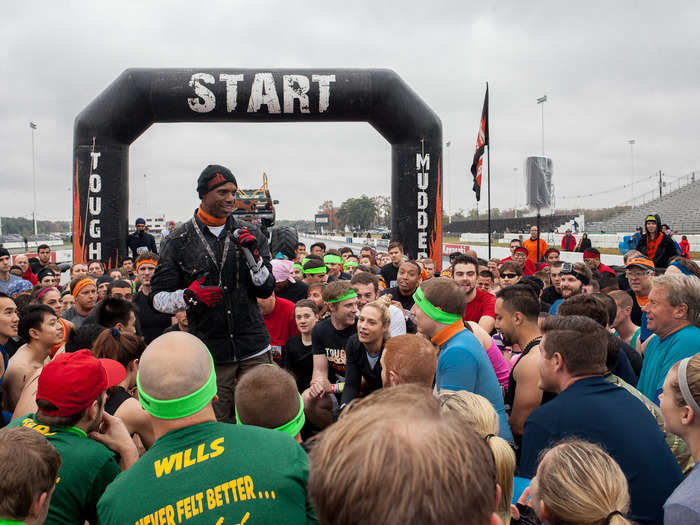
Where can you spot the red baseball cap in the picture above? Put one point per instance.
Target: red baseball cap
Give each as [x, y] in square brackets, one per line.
[72, 381]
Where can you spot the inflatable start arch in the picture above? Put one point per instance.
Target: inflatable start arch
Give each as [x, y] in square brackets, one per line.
[138, 98]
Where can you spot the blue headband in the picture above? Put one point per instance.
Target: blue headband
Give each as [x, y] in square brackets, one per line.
[681, 268]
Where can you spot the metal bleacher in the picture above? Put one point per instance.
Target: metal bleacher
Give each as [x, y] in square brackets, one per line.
[680, 209]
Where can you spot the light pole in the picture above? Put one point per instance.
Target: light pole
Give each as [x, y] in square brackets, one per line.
[632, 142]
[541, 101]
[447, 167]
[32, 125]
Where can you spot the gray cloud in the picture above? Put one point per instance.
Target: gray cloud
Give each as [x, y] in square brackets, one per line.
[612, 71]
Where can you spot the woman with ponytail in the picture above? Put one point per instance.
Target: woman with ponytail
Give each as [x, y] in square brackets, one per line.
[479, 412]
[680, 405]
[127, 349]
[578, 483]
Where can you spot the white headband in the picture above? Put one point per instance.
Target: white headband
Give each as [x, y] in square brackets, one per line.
[683, 384]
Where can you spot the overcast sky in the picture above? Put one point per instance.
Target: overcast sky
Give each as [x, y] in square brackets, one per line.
[612, 71]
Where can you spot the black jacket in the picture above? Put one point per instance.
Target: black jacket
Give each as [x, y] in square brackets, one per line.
[234, 328]
[665, 251]
[138, 240]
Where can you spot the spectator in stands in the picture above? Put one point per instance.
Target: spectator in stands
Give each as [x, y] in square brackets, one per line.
[418, 451]
[684, 245]
[151, 321]
[44, 253]
[84, 291]
[510, 273]
[655, 244]
[517, 314]
[573, 278]
[6, 278]
[535, 245]
[95, 269]
[462, 362]
[286, 286]
[680, 402]
[71, 396]
[390, 271]
[592, 258]
[27, 273]
[141, 242]
[679, 265]
[479, 413]
[568, 241]
[278, 315]
[673, 313]
[29, 467]
[408, 358]
[584, 244]
[267, 397]
[176, 385]
[578, 483]
[574, 352]
[623, 326]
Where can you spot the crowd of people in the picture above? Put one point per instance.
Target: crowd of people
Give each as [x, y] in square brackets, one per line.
[213, 383]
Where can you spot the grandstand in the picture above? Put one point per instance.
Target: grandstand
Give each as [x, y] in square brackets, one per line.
[513, 225]
[679, 209]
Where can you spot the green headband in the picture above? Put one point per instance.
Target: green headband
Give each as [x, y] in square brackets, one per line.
[333, 259]
[182, 406]
[297, 265]
[305, 260]
[431, 311]
[350, 264]
[347, 295]
[318, 269]
[292, 427]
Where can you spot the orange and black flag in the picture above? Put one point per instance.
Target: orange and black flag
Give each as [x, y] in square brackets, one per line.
[482, 140]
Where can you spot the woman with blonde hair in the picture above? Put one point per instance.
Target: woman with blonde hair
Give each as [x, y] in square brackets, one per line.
[364, 349]
[578, 483]
[680, 405]
[479, 412]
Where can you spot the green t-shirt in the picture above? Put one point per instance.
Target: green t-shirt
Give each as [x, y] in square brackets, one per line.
[214, 474]
[87, 467]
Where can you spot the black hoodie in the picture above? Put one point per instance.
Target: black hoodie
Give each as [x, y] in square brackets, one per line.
[666, 250]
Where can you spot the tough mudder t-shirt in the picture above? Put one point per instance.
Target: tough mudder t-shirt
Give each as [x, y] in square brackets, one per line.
[213, 473]
[326, 340]
[87, 467]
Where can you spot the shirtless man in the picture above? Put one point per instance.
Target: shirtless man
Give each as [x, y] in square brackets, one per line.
[40, 328]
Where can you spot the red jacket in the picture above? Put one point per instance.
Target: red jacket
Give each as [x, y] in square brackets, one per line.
[685, 249]
[29, 276]
[568, 243]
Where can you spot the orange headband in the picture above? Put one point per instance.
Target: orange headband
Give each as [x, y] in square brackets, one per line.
[82, 283]
[146, 261]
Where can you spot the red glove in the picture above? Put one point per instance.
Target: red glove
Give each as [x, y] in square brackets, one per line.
[247, 240]
[207, 295]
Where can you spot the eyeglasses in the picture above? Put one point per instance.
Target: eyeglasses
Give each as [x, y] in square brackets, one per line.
[509, 275]
[636, 273]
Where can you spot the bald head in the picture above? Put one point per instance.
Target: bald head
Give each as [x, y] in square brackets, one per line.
[174, 365]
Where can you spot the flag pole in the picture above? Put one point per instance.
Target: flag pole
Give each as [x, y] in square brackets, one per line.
[488, 177]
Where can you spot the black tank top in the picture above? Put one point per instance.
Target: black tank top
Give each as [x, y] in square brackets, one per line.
[115, 400]
[509, 397]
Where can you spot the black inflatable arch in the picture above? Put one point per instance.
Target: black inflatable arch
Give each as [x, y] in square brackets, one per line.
[140, 97]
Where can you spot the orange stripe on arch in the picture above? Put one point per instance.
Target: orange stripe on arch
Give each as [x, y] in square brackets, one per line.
[78, 242]
[435, 241]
